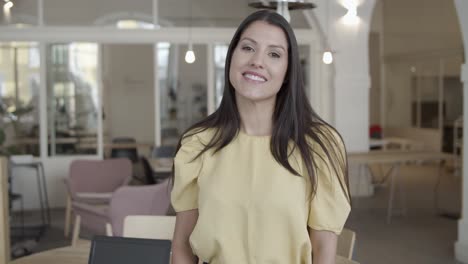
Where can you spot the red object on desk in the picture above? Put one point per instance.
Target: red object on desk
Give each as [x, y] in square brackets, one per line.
[375, 131]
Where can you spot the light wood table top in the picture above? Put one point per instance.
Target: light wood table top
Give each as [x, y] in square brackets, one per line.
[80, 255]
[70, 255]
[109, 145]
[373, 157]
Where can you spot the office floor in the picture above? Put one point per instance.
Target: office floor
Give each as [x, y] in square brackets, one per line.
[422, 236]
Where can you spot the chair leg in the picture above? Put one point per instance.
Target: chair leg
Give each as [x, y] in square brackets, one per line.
[76, 230]
[67, 217]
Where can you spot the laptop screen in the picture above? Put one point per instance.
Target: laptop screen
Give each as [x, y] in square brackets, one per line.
[125, 250]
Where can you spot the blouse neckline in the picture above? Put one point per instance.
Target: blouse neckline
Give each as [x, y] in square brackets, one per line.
[242, 134]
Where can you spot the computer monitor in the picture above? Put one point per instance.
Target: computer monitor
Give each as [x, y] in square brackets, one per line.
[125, 250]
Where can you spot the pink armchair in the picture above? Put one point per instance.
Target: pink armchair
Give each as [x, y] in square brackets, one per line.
[90, 186]
[137, 200]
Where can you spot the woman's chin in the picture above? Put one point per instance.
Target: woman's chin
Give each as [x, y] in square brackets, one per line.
[255, 97]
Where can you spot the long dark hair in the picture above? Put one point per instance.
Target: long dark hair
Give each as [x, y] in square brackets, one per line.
[294, 120]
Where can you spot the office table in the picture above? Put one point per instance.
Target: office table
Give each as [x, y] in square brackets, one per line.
[395, 159]
[79, 255]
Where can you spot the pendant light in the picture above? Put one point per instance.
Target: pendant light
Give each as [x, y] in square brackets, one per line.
[190, 55]
[327, 56]
[7, 10]
[351, 17]
[8, 4]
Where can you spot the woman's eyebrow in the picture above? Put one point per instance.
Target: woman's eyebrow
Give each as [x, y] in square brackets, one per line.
[255, 42]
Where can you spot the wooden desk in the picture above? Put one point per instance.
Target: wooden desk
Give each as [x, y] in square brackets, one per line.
[69, 255]
[84, 143]
[390, 157]
[395, 159]
[80, 254]
[403, 143]
[4, 213]
[93, 145]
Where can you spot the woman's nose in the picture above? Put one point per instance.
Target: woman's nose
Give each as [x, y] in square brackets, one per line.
[256, 60]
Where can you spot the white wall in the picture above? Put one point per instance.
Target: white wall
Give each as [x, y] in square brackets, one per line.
[352, 80]
[351, 64]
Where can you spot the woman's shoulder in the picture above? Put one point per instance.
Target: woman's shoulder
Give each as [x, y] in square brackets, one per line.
[198, 136]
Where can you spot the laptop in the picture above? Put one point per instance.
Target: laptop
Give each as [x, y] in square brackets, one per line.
[126, 250]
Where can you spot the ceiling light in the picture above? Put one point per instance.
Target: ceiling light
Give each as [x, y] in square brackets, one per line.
[190, 55]
[351, 17]
[327, 57]
[282, 7]
[8, 5]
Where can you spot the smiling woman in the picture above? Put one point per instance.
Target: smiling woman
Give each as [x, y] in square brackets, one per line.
[259, 64]
[263, 179]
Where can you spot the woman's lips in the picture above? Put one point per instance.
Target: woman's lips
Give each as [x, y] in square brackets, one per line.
[255, 77]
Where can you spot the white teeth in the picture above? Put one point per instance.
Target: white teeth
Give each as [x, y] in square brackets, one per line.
[254, 77]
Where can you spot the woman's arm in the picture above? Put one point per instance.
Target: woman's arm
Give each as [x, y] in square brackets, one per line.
[323, 246]
[181, 250]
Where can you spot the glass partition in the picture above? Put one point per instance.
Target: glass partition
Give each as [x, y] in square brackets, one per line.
[19, 97]
[72, 98]
[453, 106]
[182, 89]
[425, 93]
[429, 94]
[220, 52]
[304, 55]
[128, 97]
[401, 89]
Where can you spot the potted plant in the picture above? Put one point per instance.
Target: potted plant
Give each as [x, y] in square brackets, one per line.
[14, 119]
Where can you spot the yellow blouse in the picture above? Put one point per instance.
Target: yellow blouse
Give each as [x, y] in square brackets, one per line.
[251, 209]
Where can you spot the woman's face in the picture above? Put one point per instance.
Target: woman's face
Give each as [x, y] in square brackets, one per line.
[259, 62]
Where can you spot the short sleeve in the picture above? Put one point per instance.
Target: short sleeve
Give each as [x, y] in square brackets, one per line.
[187, 169]
[330, 207]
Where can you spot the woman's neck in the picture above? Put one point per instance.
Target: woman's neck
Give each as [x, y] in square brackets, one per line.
[256, 117]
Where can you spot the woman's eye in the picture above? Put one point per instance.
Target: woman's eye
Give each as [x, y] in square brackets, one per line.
[275, 55]
[247, 48]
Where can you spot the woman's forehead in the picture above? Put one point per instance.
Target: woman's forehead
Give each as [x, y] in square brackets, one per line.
[265, 33]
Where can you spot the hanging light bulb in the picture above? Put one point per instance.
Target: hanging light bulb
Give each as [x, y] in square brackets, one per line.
[327, 57]
[8, 5]
[7, 10]
[190, 55]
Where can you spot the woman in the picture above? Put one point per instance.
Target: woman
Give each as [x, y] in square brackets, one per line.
[263, 179]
